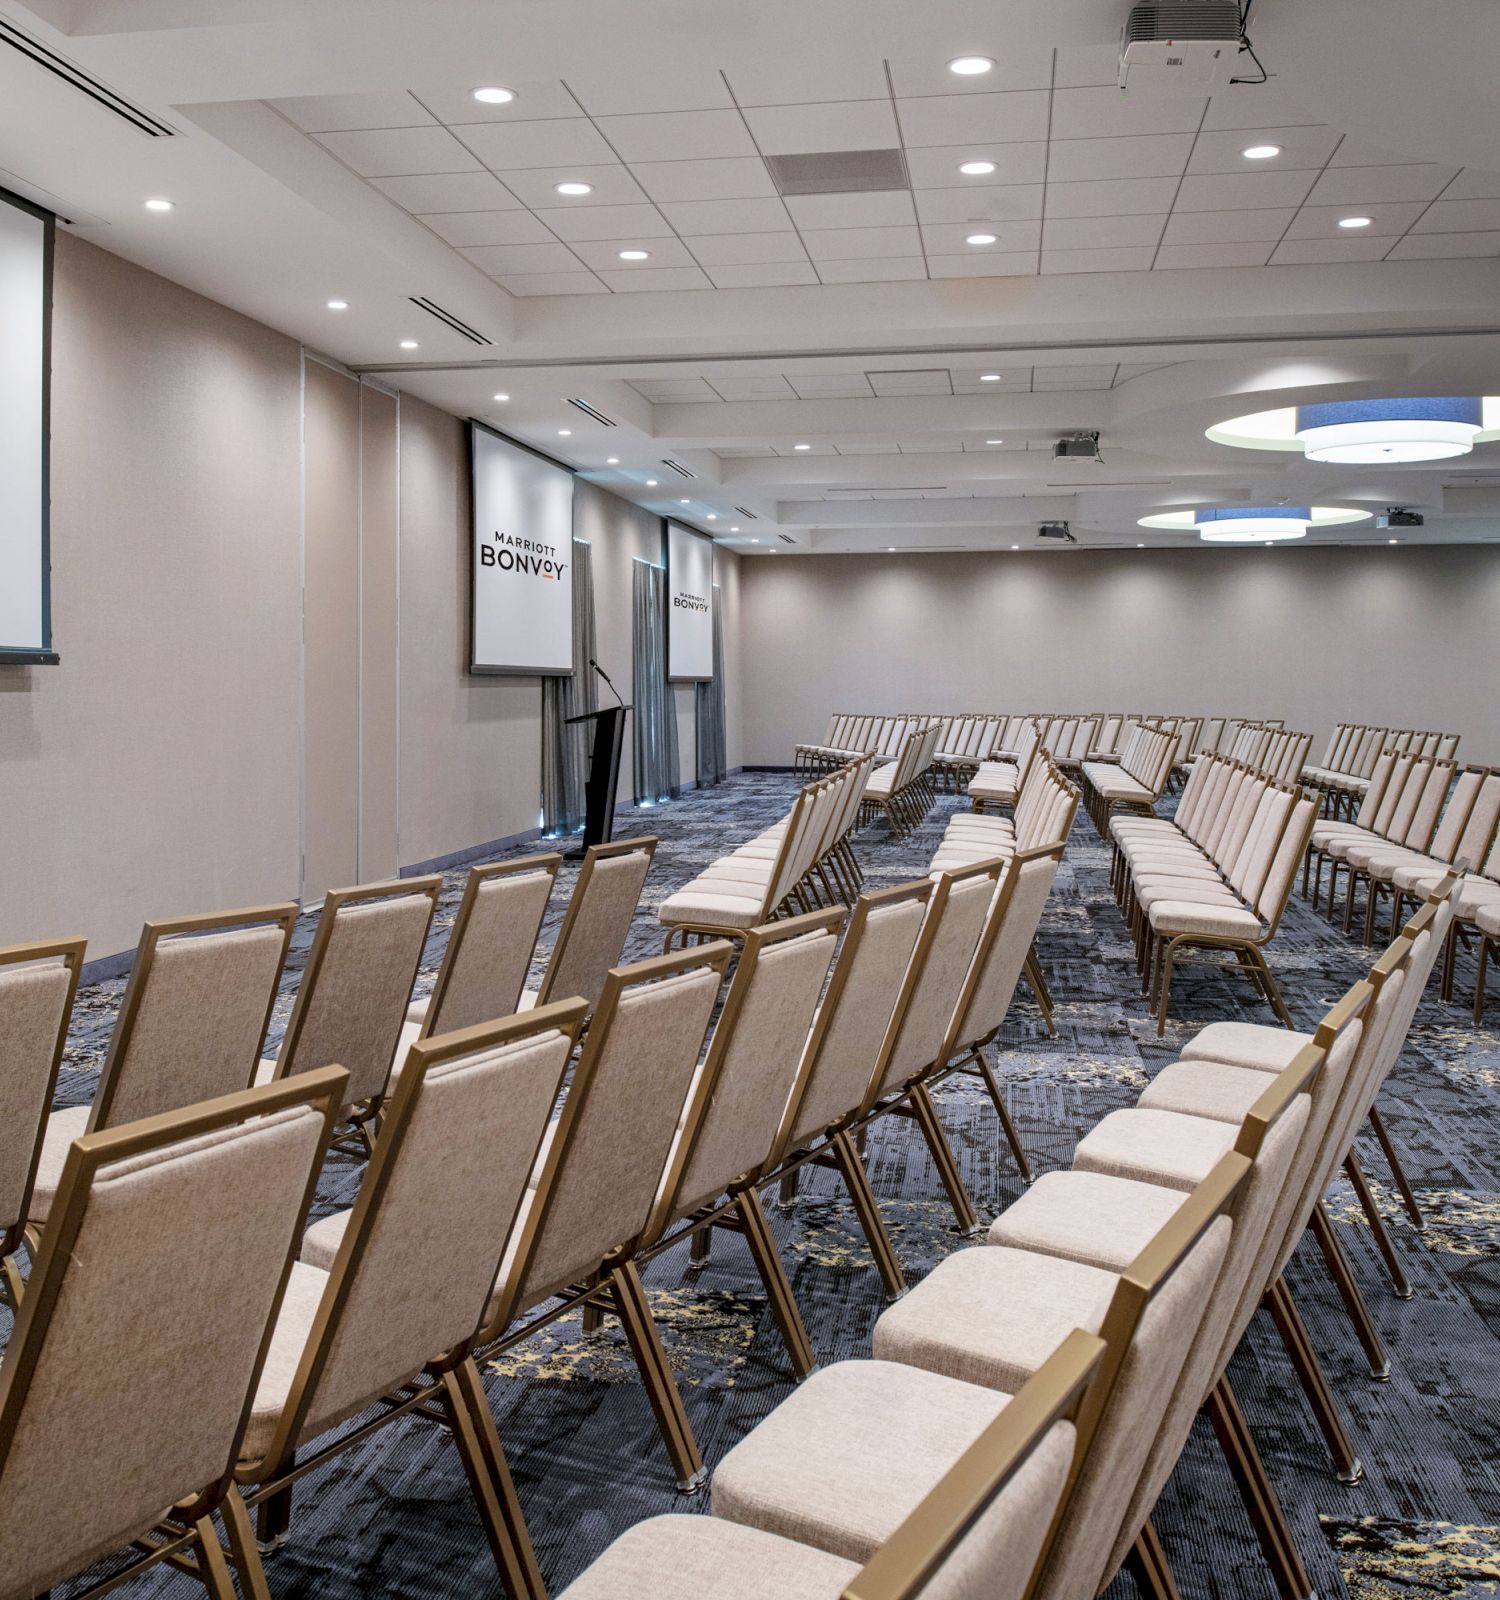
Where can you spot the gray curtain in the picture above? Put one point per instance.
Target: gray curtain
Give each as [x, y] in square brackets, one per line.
[709, 706]
[564, 749]
[656, 773]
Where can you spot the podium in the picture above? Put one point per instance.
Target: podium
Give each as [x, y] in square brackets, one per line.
[604, 775]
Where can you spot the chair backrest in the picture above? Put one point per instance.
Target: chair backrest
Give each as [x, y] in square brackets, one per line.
[791, 855]
[491, 945]
[980, 1529]
[1275, 889]
[194, 1014]
[416, 1266]
[1467, 832]
[1379, 779]
[356, 985]
[605, 1164]
[186, 1222]
[742, 1088]
[597, 921]
[38, 984]
[846, 1047]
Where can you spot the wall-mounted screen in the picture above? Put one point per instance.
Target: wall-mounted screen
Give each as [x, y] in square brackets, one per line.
[523, 559]
[25, 312]
[690, 603]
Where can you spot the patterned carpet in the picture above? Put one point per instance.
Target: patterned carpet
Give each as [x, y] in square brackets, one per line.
[394, 1517]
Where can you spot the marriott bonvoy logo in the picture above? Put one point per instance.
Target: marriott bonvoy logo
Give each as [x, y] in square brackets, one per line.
[690, 602]
[511, 554]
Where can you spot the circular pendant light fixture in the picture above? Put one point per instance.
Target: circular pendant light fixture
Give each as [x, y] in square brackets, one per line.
[1252, 524]
[1373, 431]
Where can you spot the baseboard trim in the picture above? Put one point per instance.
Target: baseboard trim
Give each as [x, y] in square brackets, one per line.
[106, 967]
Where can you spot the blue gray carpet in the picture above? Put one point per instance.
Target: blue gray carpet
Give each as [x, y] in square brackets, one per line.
[394, 1517]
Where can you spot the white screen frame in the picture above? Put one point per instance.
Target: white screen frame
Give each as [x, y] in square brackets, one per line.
[690, 582]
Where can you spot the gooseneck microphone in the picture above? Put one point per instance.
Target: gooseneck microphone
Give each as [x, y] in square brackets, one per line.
[610, 681]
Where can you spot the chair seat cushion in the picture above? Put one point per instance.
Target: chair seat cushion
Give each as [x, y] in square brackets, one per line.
[880, 781]
[707, 1558]
[1089, 1218]
[1246, 1044]
[1182, 916]
[843, 1460]
[63, 1127]
[1162, 1147]
[304, 1294]
[1205, 1089]
[1487, 919]
[320, 1244]
[712, 909]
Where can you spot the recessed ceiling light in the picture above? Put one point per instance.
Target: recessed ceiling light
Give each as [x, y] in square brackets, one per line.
[989, 377]
[1355, 222]
[1140, 547]
[971, 66]
[977, 169]
[890, 549]
[736, 530]
[980, 238]
[801, 447]
[158, 205]
[713, 516]
[494, 97]
[1261, 152]
[1393, 541]
[1015, 547]
[573, 186]
[613, 461]
[650, 483]
[994, 441]
[502, 398]
[753, 541]
[564, 433]
[635, 255]
[338, 305]
[408, 344]
[684, 502]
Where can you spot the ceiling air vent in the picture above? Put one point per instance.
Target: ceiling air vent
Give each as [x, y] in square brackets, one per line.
[677, 467]
[594, 412]
[34, 50]
[786, 538]
[839, 171]
[747, 514]
[433, 309]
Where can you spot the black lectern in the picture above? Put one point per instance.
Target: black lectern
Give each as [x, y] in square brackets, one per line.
[604, 775]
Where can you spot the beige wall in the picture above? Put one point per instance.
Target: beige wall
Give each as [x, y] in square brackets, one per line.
[1397, 636]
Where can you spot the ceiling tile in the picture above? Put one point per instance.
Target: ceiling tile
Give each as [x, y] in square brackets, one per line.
[1444, 246]
[1098, 374]
[324, 113]
[1016, 67]
[840, 125]
[1129, 259]
[1254, 105]
[1087, 65]
[931, 447]
[789, 79]
[1116, 197]
[1017, 202]
[870, 447]
[1140, 155]
[1322, 222]
[1301, 148]
[664, 278]
[600, 253]
[1346, 186]
[489, 227]
[860, 244]
[830, 385]
[1086, 233]
[1459, 216]
[1104, 113]
[1299, 252]
[936, 166]
[395, 152]
[533, 101]
[746, 249]
[929, 380]
[766, 386]
[1238, 191]
[1472, 184]
[962, 118]
[537, 186]
[984, 447]
[665, 391]
[1228, 227]
[605, 222]
[518, 258]
[983, 264]
[1248, 253]
[820, 447]
[881, 209]
[529, 283]
[553, 142]
[663, 135]
[727, 216]
[898, 269]
[448, 191]
[1139, 369]
[673, 87]
[951, 238]
[1067, 385]
[1013, 380]
[1356, 153]
[730, 178]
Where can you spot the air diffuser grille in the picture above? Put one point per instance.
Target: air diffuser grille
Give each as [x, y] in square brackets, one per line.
[839, 171]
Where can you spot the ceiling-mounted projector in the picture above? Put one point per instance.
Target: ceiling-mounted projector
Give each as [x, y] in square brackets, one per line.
[1056, 530]
[1397, 517]
[1180, 44]
[1077, 447]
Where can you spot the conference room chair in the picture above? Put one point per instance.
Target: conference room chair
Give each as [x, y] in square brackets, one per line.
[38, 984]
[385, 1320]
[355, 988]
[1136, 781]
[191, 1026]
[845, 1458]
[112, 1440]
[980, 1528]
[1487, 921]
[1001, 778]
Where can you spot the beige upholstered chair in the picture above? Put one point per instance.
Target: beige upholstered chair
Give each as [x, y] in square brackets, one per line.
[109, 1439]
[902, 789]
[1487, 921]
[979, 1530]
[383, 1308]
[1000, 778]
[192, 1023]
[597, 922]
[38, 984]
[1135, 783]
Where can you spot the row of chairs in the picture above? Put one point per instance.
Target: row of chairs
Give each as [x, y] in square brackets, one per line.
[1342, 776]
[1137, 780]
[802, 860]
[999, 780]
[851, 735]
[903, 790]
[1215, 876]
[1278, 752]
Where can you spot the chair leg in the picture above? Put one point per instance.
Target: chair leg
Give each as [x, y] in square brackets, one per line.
[468, 1413]
[1034, 977]
[925, 1113]
[1007, 1127]
[1450, 957]
[242, 1551]
[1347, 1466]
[656, 1374]
[1262, 1504]
[273, 1517]
[1398, 1172]
[1395, 1270]
[851, 1169]
[1169, 951]
[1272, 988]
[1147, 1564]
[1479, 977]
[1349, 1292]
[12, 1284]
[778, 1288]
[213, 1567]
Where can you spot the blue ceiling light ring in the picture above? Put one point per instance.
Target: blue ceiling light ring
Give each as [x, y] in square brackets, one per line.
[1466, 409]
[1259, 513]
[1388, 432]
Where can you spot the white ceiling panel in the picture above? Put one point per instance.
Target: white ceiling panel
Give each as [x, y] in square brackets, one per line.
[1254, 105]
[867, 447]
[664, 135]
[533, 101]
[396, 152]
[1239, 191]
[794, 80]
[961, 118]
[605, 222]
[1302, 252]
[951, 238]
[936, 167]
[931, 447]
[766, 386]
[534, 283]
[324, 113]
[612, 186]
[931, 380]
[1013, 203]
[839, 125]
[1128, 259]
[727, 216]
[546, 143]
[1141, 155]
[657, 280]
[860, 244]
[768, 275]
[1104, 113]
[1017, 66]
[675, 87]
[1113, 198]
[1228, 227]
[667, 391]
[1346, 186]
[1356, 153]
[599, 253]
[1301, 149]
[461, 228]
[731, 178]
[1088, 233]
[516, 258]
[1013, 380]
[1247, 254]
[878, 209]
[1322, 222]
[1098, 374]
[448, 191]
[831, 385]
[1444, 246]
[1459, 216]
[1086, 65]
[983, 264]
[746, 249]
[1472, 184]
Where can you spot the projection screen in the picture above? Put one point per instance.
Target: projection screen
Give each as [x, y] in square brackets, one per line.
[25, 329]
[690, 603]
